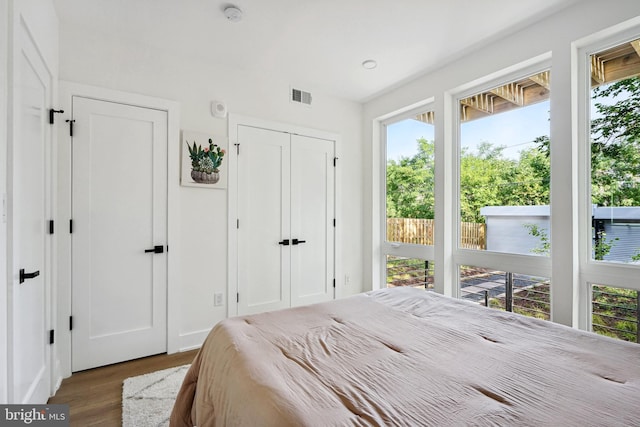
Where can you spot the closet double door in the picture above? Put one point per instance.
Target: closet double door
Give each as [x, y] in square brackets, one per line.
[285, 220]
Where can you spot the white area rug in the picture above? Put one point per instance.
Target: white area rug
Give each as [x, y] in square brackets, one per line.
[147, 399]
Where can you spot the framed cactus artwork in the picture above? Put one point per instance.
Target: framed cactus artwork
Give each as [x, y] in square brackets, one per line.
[204, 162]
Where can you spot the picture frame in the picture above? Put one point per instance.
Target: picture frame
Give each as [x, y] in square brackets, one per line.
[204, 164]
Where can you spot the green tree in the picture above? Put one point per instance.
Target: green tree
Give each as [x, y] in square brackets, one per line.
[531, 182]
[545, 245]
[615, 144]
[410, 184]
[485, 178]
[488, 178]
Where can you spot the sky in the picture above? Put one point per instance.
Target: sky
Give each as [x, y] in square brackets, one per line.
[514, 129]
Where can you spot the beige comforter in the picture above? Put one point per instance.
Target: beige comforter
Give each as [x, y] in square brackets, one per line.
[411, 358]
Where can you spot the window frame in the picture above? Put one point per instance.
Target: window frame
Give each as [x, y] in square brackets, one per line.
[593, 272]
[517, 263]
[399, 249]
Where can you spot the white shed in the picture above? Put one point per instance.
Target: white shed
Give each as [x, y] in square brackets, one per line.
[508, 227]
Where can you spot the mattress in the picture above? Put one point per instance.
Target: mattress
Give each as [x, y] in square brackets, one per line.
[407, 357]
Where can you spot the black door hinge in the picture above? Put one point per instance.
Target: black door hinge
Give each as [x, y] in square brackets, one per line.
[334, 283]
[51, 336]
[334, 222]
[237, 223]
[50, 226]
[51, 113]
[237, 149]
[71, 226]
[238, 297]
[335, 161]
[71, 122]
[71, 323]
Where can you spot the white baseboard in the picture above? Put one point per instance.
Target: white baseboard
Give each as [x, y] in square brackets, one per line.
[192, 340]
[57, 377]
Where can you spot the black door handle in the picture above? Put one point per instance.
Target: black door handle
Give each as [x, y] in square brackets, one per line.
[156, 250]
[296, 241]
[24, 276]
[284, 242]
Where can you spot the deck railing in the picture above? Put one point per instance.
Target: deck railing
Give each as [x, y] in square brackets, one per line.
[519, 293]
[414, 272]
[616, 312]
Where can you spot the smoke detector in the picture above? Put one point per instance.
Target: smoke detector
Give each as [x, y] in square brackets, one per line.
[233, 13]
[369, 64]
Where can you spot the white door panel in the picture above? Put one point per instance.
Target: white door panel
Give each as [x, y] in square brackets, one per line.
[285, 211]
[263, 211]
[31, 359]
[312, 187]
[119, 211]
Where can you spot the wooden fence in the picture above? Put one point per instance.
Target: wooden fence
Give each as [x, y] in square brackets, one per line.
[420, 232]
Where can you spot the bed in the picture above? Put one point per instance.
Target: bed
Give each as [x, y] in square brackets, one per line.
[407, 357]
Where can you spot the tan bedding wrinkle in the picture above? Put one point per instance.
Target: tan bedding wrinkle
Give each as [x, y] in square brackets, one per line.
[407, 357]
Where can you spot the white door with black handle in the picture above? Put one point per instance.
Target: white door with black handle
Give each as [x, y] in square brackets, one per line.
[30, 370]
[119, 207]
[285, 220]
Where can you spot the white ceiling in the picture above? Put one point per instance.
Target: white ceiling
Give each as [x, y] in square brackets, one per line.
[315, 44]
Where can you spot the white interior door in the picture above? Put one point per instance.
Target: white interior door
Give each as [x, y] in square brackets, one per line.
[312, 214]
[263, 214]
[285, 212]
[31, 199]
[119, 284]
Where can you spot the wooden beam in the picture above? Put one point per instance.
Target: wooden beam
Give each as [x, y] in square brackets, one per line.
[481, 102]
[508, 97]
[622, 68]
[535, 94]
[511, 92]
[636, 46]
[468, 114]
[543, 79]
[597, 69]
[427, 117]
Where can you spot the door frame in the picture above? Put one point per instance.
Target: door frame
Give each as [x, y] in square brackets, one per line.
[236, 120]
[67, 90]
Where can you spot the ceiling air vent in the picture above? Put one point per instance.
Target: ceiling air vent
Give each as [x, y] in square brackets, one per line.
[300, 96]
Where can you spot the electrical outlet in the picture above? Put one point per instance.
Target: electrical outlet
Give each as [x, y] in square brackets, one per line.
[217, 299]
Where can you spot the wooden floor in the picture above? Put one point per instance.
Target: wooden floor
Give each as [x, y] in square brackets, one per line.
[95, 396]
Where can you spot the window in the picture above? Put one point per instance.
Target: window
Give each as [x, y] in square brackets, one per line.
[504, 177]
[410, 180]
[609, 229]
[504, 167]
[409, 155]
[615, 153]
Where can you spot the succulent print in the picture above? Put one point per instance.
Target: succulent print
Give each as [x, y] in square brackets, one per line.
[206, 160]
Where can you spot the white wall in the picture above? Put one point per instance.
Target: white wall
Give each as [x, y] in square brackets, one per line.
[103, 60]
[553, 36]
